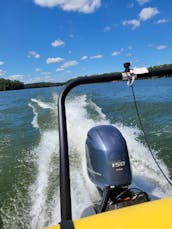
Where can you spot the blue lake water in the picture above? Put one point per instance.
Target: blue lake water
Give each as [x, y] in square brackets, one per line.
[29, 159]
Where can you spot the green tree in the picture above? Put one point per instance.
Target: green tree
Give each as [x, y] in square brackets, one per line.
[6, 84]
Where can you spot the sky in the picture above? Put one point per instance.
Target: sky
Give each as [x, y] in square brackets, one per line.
[55, 40]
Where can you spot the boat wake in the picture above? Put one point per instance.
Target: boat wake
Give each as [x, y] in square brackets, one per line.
[82, 114]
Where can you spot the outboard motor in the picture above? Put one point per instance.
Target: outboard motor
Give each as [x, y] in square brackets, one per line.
[107, 157]
[108, 167]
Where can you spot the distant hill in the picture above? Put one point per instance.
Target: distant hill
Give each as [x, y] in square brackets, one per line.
[6, 84]
[42, 84]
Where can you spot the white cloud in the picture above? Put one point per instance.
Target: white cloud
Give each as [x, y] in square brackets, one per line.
[19, 77]
[45, 73]
[49, 79]
[145, 14]
[99, 56]
[37, 69]
[2, 62]
[116, 53]
[34, 80]
[33, 54]
[134, 23]
[53, 60]
[84, 6]
[84, 57]
[142, 2]
[160, 47]
[59, 69]
[57, 43]
[107, 29]
[148, 13]
[69, 64]
[40, 79]
[161, 21]
[2, 73]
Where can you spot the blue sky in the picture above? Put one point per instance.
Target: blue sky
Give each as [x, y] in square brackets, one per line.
[54, 40]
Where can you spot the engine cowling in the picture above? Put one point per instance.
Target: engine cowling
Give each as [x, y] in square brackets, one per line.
[107, 157]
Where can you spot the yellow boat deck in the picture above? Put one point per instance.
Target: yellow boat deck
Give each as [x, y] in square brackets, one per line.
[154, 215]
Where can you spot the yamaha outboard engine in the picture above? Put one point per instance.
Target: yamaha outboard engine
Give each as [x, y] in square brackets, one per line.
[108, 166]
[107, 157]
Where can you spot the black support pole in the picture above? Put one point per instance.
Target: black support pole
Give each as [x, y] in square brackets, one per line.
[65, 194]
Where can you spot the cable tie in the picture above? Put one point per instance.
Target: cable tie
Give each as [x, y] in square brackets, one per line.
[131, 79]
[130, 76]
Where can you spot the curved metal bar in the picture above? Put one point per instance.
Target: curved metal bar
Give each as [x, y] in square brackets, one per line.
[65, 194]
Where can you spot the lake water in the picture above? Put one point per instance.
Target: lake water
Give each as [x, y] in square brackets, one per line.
[29, 158]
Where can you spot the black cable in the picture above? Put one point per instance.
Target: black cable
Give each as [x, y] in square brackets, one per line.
[129, 191]
[121, 194]
[105, 200]
[144, 134]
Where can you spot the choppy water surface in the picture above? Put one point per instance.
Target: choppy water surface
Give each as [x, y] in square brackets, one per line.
[29, 158]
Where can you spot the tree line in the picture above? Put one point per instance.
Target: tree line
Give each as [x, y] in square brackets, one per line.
[42, 84]
[163, 66]
[6, 84]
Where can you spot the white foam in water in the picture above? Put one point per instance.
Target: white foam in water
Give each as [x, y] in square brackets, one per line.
[55, 209]
[35, 118]
[38, 191]
[78, 126]
[146, 174]
[42, 104]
